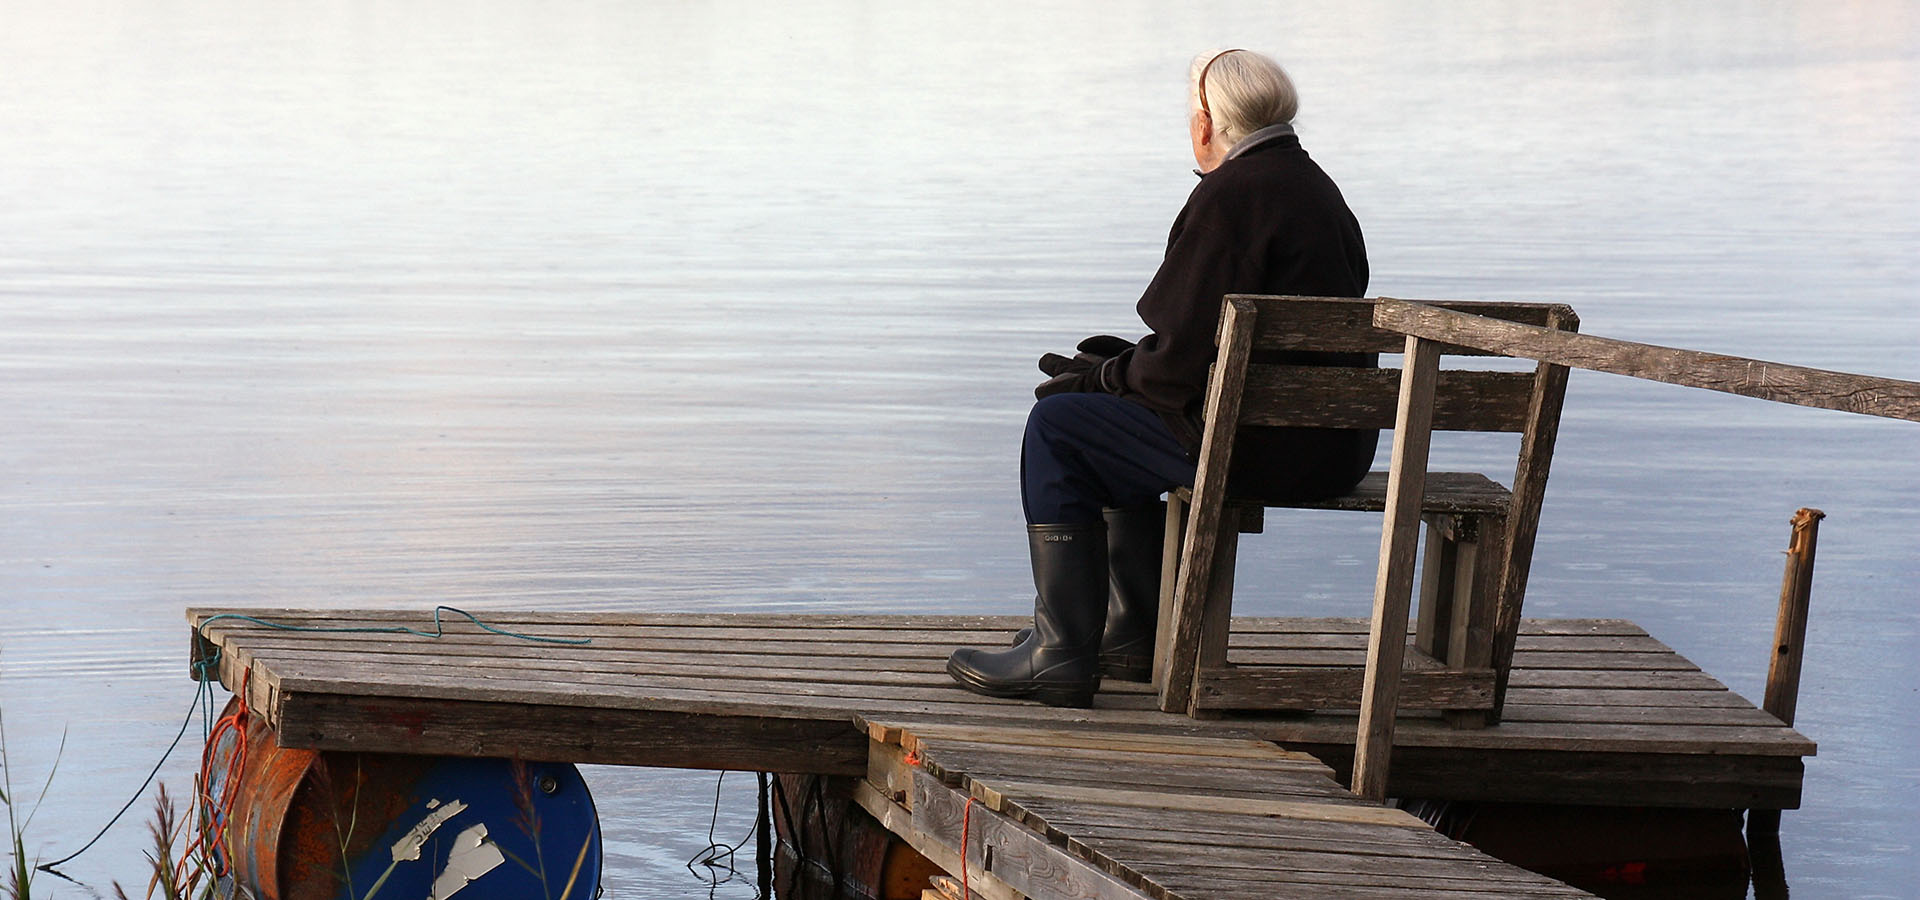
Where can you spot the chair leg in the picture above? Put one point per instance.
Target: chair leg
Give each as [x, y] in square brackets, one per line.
[1169, 577]
[1433, 629]
[1479, 541]
[1217, 619]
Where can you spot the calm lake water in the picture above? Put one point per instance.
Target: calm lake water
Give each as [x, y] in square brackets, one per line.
[733, 306]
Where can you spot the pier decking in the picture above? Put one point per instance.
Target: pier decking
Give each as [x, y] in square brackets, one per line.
[1599, 712]
[1167, 817]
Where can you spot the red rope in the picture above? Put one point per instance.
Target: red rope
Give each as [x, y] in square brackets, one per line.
[218, 815]
[966, 821]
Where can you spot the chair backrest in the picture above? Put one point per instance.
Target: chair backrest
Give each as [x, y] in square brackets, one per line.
[1245, 392]
[1331, 396]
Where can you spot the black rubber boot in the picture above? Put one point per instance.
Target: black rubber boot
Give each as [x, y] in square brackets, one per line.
[1058, 664]
[1135, 538]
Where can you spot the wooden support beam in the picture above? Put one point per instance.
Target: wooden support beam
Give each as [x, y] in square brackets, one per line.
[1337, 687]
[1789, 641]
[1393, 585]
[633, 737]
[996, 847]
[899, 820]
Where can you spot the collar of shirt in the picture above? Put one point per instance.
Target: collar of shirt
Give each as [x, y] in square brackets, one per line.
[1269, 133]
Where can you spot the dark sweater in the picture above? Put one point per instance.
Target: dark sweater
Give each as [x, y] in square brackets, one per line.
[1267, 221]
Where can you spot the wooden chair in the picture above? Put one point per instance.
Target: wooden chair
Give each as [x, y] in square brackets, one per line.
[1479, 534]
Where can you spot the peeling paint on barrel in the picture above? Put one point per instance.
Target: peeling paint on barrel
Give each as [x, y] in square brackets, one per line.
[308, 825]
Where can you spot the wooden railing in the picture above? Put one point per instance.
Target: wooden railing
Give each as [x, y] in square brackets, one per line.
[1428, 328]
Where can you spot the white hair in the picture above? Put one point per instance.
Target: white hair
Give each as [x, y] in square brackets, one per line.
[1245, 92]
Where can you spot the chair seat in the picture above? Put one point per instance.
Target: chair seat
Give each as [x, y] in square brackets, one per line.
[1448, 493]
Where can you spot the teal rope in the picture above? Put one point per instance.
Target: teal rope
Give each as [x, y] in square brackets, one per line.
[205, 670]
[439, 628]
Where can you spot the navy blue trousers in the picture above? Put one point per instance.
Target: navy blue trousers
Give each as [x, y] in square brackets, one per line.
[1083, 452]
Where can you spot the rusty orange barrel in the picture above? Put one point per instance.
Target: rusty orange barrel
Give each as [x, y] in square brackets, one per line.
[304, 825]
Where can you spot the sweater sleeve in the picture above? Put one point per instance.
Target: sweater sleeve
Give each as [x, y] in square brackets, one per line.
[1168, 369]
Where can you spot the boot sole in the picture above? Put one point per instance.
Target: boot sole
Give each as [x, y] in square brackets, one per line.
[1065, 696]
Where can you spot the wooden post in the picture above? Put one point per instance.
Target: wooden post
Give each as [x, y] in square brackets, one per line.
[1789, 640]
[1393, 585]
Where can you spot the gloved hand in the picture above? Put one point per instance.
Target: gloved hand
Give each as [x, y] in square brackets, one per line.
[1053, 364]
[1083, 374]
[1093, 351]
[1105, 345]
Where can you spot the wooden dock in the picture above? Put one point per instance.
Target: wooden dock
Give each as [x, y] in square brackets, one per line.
[1599, 712]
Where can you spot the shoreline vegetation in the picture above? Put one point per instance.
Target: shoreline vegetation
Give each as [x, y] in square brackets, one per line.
[176, 875]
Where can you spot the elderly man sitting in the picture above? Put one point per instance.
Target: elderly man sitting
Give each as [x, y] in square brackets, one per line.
[1118, 425]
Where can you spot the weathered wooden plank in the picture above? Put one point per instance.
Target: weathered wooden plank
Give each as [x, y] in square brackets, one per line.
[1223, 784]
[601, 668]
[642, 737]
[1642, 715]
[926, 659]
[1393, 586]
[1184, 826]
[1718, 697]
[1447, 492]
[1131, 843]
[1347, 325]
[1253, 625]
[1337, 397]
[1252, 885]
[1781, 383]
[1624, 678]
[1464, 870]
[798, 633]
[1330, 728]
[422, 616]
[1039, 758]
[1691, 780]
[1016, 738]
[1285, 809]
[1041, 764]
[1408, 874]
[1307, 656]
[1526, 645]
[1356, 642]
[1336, 687]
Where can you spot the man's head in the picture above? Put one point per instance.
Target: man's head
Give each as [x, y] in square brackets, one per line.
[1231, 94]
